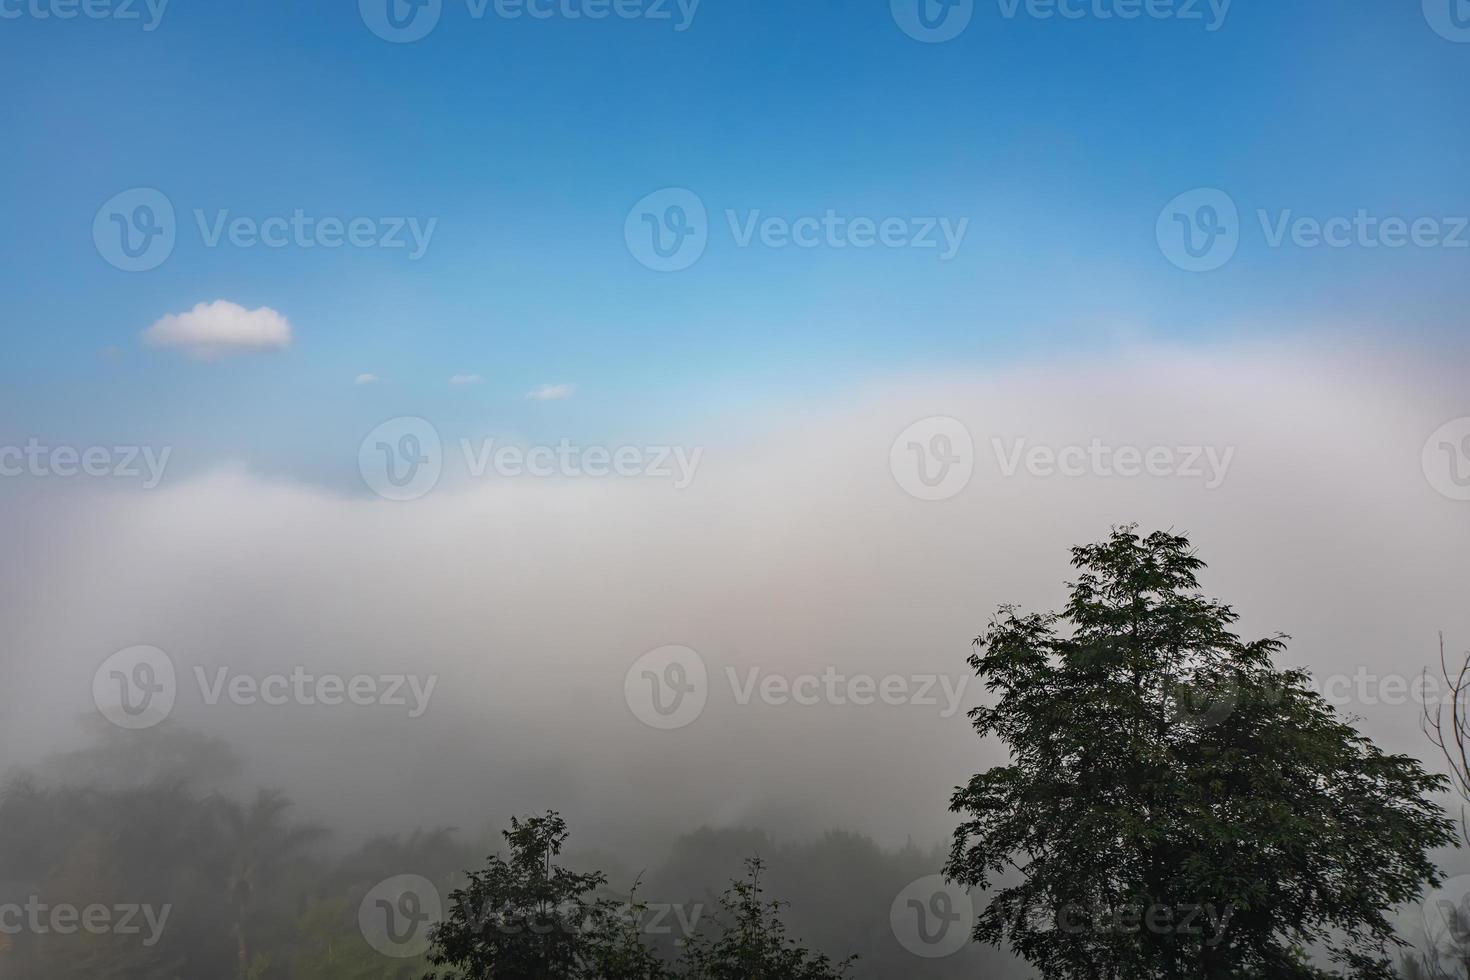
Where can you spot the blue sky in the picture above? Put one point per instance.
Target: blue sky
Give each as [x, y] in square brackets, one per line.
[529, 140]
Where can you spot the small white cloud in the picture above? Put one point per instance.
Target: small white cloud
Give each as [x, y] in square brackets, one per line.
[367, 379]
[465, 379]
[547, 393]
[211, 331]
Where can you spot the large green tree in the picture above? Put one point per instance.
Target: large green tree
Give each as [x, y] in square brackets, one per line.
[1176, 805]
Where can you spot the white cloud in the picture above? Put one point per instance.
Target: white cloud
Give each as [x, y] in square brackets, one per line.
[211, 331]
[547, 393]
[465, 379]
[367, 379]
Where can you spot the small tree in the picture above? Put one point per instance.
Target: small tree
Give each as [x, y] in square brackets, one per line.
[1176, 806]
[1447, 724]
[751, 942]
[526, 918]
[617, 947]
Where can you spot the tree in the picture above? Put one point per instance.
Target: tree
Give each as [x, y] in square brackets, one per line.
[262, 846]
[1446, 722]
[1175, 805]
[1447, 725]
[751, 942]
[526, 918]
[152, 846]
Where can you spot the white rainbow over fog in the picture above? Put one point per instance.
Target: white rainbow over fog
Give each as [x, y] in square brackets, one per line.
[794, 551]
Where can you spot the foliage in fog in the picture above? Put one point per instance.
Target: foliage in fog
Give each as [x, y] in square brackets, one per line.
[1176, 805]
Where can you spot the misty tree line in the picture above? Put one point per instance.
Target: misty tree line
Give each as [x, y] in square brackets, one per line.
[255, 892]
[1175, 804]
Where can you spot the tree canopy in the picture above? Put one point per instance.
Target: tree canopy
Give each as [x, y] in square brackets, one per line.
[523, 917]
[1175, 804]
